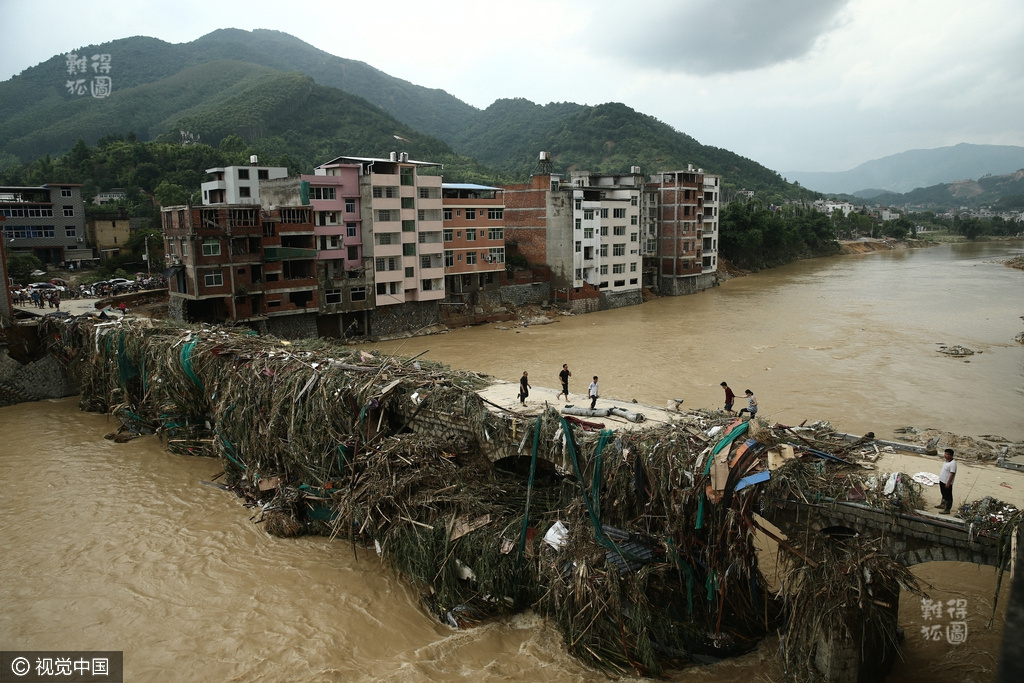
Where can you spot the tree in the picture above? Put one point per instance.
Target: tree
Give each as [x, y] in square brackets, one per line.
[20, 267]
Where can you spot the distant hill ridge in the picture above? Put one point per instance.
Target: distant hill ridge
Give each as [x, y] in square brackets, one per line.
[917, 168]
[286, 97]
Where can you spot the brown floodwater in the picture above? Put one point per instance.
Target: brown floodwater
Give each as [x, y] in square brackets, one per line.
[109, 546]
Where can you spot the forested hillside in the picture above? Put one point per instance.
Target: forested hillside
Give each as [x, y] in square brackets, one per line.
[243, 83]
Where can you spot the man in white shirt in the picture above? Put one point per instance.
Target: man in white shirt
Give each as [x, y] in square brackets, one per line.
[593, 393]
[946, 477]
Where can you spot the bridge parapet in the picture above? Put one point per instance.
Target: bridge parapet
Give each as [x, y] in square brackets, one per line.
[910, 539]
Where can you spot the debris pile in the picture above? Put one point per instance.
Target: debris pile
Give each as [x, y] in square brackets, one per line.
[638, 544]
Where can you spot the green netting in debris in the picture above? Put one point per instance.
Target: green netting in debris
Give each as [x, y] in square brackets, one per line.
[186, 362]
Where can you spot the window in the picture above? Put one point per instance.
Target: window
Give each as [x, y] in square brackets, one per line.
[243, 191]
[579, 273]
[632, 280]
[471, 258]
[633, 220]
[579, 204]
[382, 288]
[407, 175]
[604, 213]
[323, 193]
[70, 231]
[351, 229]
[353, 253]
[447, 214]
[496, 214]
[409, 225]
[410, 272]
[447, 235]
[619, 213]
[386, 215]
[243, 174]
[632, 267]
[619, 268]
[579, 246]
[471, 235]
[384, 238]
[496, 254]
[579, 223]
[65, 192]
[357, 294]
[295, 215]
[262, 174]
[470, 214]
[332, 296]
[350, 206]
[620, 283]
[619, 230]
[604, 251]
[634, 200]
[449, 258]
[604, 269]
[588, 233]
[496, 233]
[588, 214]
[604, 231]
[211, 247]
[409, 249]
[618, 250]
[408, 202]
[633, 237]
[69, 211]
[214, 279]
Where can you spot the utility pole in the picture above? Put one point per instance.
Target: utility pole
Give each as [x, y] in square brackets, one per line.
[149, 271]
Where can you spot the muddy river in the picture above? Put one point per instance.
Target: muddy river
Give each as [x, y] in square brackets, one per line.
[108, 546]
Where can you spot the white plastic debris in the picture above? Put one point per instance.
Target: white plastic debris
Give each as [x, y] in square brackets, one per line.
[555, 537]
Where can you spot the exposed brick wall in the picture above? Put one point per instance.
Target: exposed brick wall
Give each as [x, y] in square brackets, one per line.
[302, 326]
[44, 378]
[519, 295]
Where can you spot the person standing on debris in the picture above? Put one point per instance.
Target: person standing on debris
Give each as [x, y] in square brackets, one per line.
[122, 308]
[946, 477]
[593, 393]
[730, 398]
[524, 388]
[751, 404]
[564, 376]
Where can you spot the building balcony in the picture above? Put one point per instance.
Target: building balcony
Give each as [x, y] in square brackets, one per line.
[287, 253]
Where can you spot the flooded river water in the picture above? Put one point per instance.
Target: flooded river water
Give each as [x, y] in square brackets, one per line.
[110, 546]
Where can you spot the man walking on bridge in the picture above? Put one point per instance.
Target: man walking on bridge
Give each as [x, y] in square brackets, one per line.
[946, 477]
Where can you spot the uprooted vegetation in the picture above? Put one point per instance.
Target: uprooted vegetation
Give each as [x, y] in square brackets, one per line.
[638, 544]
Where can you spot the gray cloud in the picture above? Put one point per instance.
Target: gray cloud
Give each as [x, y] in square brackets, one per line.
[718, 36]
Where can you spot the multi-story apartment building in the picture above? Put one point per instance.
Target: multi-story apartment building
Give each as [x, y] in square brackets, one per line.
[606, 233]
[47, 221]
[474, 239]
[401, 226]
[709, 254]
[586, 229]
[239, 184]
[232, 262]
[679, 215]
[344, 276]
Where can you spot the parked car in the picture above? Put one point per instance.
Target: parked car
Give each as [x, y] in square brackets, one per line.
[44, 285]
[119, 282]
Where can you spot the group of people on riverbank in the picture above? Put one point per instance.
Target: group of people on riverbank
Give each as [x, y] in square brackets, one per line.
[39, 298]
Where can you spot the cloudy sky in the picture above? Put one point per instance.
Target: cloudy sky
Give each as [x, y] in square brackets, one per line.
[798, 85]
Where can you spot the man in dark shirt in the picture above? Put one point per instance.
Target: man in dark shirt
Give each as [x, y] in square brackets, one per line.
[730, 398]
[564, 376]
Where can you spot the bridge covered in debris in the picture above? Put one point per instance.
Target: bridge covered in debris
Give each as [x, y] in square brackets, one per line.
[636, 537]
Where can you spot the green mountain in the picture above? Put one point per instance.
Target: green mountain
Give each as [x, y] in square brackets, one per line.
[285, 97]
[916, 168]
[1001, 192]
